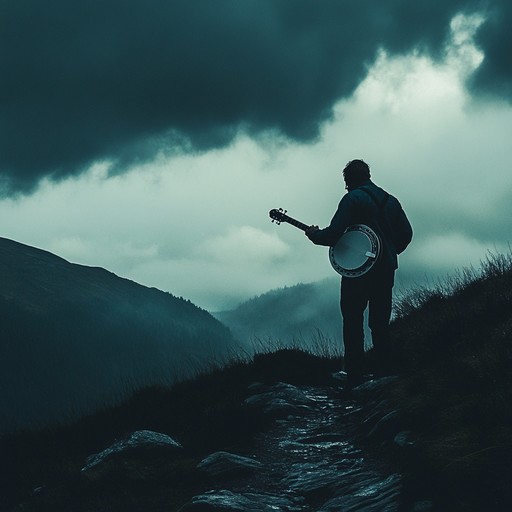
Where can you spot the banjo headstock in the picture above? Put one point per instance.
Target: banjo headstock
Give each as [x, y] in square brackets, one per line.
[278, 215]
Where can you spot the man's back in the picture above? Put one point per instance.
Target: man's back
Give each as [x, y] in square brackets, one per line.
[378, 209]
[366, 203]
[371, 205]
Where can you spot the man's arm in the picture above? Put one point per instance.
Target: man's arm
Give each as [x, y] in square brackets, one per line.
[330, 235]
[310, 232]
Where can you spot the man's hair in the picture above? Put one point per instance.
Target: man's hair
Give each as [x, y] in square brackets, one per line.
[356, 173]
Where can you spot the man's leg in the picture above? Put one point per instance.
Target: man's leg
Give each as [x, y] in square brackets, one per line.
[380, 305]
[353, 303]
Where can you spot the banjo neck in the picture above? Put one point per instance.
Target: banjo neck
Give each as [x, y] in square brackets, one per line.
[279, 216]
[354, 254]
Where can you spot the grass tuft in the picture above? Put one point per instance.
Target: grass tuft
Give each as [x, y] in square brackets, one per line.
[452, 346]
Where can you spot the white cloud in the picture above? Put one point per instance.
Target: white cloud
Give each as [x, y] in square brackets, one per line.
[78, 249]
[448, 251]
[462, 54]
[244, 243]
[198, 225]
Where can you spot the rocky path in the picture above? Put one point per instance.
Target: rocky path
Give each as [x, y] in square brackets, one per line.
[307, 461]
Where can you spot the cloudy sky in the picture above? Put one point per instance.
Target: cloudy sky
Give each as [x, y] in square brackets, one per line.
[152, 138]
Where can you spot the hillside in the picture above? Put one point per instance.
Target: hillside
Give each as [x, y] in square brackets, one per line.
[304, 315]
[74, 338]
[278, 432]
[453, 349]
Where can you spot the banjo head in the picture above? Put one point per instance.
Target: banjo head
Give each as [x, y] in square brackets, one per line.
[356, 251]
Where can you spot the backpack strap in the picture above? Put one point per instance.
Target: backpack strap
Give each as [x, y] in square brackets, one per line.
[380, 205]
[399, 235]
[383, 221]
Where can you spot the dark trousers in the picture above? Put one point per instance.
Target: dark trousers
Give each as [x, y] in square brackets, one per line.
[373, 290]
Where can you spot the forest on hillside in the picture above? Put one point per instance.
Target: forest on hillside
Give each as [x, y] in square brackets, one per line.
[305, 315]
[75, 338]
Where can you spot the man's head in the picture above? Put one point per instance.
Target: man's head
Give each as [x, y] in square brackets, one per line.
[356, 173]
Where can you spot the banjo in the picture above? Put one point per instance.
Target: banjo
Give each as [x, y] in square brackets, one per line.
[354, 254]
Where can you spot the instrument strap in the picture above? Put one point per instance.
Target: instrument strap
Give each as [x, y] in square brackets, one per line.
[381, 205]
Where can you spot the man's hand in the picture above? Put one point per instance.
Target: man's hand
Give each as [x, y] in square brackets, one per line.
[311, 230]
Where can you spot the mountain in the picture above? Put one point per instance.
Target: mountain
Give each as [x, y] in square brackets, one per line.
[278, 432]
[74, 338]
[305, 316]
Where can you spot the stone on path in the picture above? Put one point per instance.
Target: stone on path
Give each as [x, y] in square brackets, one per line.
[228, 501]
[282, 400]
[225, 463]
[137, 445]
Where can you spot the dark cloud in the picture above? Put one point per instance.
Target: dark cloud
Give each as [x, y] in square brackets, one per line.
[495, 38]
[122, 79]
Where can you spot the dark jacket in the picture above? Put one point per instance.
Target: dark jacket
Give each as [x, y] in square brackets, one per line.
[371, 205]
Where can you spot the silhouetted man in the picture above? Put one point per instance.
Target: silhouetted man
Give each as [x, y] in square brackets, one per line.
[366, 203]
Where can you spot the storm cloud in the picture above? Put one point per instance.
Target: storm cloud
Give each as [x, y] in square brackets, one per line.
[123, 81]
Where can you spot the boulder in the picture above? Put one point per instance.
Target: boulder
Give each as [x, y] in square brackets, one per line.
[225, 463]
[228, 501]
[372, 495]
[386, 428]
[281, 400]
[123, 454]
[374, 385]
[310, 480]
[404, 439]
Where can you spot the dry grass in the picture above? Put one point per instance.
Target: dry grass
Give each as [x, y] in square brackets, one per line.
[453, 347]
[453, 350]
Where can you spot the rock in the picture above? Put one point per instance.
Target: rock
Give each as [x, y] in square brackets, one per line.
[341, 376]
[225, 463]
[403, 439]
[309, 479]
[281, 400]
[137, 445]
[374, 385]
[228, 501]
[376, 495]
[423, 506]
[386, 427]
[376, 412]
[280, 408]
[327, 439]
[256, 386]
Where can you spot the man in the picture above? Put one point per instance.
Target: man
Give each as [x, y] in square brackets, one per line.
[366, 203]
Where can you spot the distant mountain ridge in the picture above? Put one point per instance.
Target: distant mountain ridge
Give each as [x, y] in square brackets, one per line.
[74, 338]
[297, 315]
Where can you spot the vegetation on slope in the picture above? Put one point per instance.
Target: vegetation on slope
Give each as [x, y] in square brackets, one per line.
[290, 315]
[453, 347]
[203, 414]
[453, 355]
[76, 337]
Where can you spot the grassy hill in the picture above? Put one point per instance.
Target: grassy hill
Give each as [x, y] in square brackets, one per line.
[453, 349]
[453, 397]
[74, 338]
